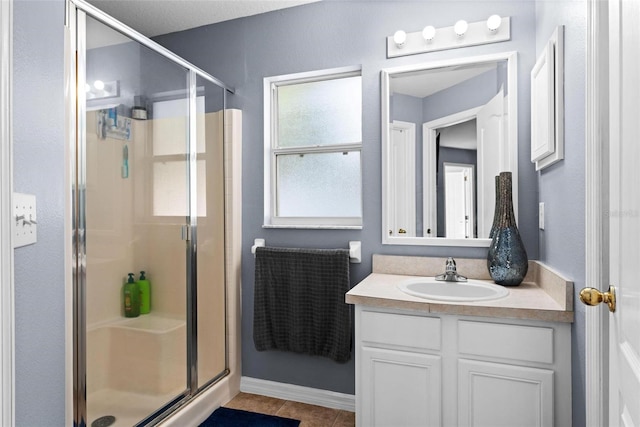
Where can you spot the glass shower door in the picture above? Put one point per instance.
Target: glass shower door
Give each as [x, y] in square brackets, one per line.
[137, 206]
[210, 290]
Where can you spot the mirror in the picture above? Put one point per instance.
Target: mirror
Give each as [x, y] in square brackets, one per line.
[448, 129]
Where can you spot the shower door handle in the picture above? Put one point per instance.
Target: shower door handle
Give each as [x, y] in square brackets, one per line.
[186, 233]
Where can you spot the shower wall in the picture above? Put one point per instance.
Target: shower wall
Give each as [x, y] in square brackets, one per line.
[110, 228]
[124, 236]
[212, 242]
[145, 354]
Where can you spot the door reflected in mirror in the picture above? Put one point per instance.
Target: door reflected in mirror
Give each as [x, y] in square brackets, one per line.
[459, 211]
[448, 129]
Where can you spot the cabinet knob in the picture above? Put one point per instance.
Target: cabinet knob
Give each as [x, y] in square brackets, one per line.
[592, 296]
[402, 231]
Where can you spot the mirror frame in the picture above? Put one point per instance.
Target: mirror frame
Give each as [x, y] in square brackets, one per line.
[512, 146]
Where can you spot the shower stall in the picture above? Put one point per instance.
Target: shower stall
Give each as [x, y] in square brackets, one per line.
[151, 174]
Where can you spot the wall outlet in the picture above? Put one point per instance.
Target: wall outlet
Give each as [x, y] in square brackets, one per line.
[25, 224]
[541, 215]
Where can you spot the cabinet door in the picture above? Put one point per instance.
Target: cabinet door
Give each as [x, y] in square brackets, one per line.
[495, 395]
[399, 389]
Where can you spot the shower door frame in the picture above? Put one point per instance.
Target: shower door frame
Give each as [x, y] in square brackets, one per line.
[75, 244]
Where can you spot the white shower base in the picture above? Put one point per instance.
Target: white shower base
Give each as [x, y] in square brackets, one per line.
[128, 408]
[134, 367]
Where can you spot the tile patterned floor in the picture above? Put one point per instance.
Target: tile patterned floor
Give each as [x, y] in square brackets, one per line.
[309, 415]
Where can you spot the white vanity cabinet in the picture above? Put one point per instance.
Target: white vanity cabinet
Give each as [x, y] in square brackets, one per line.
[399, 369]
[422, 369]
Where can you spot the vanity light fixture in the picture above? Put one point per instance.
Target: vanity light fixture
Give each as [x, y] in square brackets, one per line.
[428, 33]
[493, 23]
[399, 38]
[462, 34]
[461, 27]
[98, 84]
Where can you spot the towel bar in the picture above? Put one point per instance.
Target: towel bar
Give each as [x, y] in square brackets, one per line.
[355, 250]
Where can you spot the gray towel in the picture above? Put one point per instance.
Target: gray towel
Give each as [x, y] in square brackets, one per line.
[299, 302]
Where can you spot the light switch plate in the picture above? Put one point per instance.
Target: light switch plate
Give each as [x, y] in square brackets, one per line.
[25, 224]
[541, 215]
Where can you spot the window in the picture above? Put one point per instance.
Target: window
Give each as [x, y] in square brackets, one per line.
[313, 141]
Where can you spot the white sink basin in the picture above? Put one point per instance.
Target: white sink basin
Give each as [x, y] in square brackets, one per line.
[472, 290]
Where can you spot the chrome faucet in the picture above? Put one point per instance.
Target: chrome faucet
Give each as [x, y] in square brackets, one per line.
[451, 273]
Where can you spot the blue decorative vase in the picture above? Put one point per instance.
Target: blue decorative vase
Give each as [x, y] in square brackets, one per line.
[496, 210]
[507, 258]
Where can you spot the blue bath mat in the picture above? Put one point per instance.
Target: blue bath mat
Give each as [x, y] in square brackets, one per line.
[226, 417]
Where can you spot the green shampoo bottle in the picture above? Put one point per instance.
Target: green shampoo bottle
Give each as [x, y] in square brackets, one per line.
[145, 294]
[131, 296]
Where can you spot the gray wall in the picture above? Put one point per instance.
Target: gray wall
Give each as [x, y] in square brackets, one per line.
[120, 62]
[333, 34]
[562, 186]
[139, 71]
[38, 126]
[469, 94]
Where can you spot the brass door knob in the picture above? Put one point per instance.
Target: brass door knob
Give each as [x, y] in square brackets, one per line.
[592, 296]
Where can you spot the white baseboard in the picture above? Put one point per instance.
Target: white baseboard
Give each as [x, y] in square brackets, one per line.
[297, 393]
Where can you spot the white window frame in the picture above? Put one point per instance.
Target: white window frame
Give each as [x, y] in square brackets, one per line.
[271, 220]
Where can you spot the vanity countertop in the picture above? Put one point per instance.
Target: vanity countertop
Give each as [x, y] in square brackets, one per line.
[543, 295]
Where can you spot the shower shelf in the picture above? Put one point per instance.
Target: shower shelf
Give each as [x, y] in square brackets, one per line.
[151, 323]
[145, 354]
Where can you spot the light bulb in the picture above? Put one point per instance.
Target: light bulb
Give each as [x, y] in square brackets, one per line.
[399, 38]
[493, 23]
[461, 27]
[87, 87]
[98, 84]
[428, 33]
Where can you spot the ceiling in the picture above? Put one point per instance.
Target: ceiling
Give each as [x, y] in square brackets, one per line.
[427, 82]
[155, 17]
